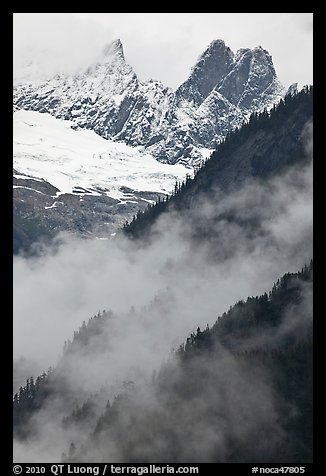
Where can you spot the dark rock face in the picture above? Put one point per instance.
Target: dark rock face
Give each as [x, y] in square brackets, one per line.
[268, 146]
[252, 80]
[223, 89]
[39, 213]
[212, 66]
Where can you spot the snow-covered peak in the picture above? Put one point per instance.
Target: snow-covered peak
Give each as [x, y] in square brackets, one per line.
[113, 49]
[262, 56]
[216, 48]
[110, 62]
[246, 79]
[108, 98]
[252, 82]
[259, 53]
[212, 66]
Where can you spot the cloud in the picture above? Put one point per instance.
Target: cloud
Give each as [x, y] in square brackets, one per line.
[162, 46]
[159, 292]
[53, 293]
[195, 412]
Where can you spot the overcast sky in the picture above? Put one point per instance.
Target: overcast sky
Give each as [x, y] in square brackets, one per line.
[161, 46]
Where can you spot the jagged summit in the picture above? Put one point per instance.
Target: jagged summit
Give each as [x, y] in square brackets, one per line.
[241, 77]
[252, 80]
[212, 65]
[292, 89]
[221, 92]
[114, 48]
[217, 42]
[215, 47]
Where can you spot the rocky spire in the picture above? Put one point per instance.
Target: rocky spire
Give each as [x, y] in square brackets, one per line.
[212, 66]
[114, 50]
[252, 77]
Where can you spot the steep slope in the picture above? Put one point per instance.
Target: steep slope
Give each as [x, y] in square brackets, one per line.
[107, 97]
[212, 66]
[252, 82]
[241, 391]
[234, 405]
[269, 144]
[76, 181]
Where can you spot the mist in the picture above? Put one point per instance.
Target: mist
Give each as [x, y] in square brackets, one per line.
[158, 292]
[55, 292]
[181, 404]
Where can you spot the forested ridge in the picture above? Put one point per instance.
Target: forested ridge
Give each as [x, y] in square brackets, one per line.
[238, 389]
[268, 144]
[265, 340]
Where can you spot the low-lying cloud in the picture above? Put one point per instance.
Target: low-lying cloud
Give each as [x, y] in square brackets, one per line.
[158, 293]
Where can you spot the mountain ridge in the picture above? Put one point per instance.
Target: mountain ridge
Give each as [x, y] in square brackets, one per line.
[269, 144]
[253, 341]
[108, 98]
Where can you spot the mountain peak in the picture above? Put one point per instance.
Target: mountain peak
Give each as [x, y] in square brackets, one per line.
[216, 48]
[212, 66]
[114, 49]
[253, 82]
[217, 44]
[292, 90]
[258, 52]
[107, 97]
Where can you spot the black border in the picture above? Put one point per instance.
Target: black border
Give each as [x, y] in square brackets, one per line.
[7, 247]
